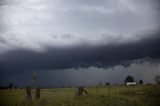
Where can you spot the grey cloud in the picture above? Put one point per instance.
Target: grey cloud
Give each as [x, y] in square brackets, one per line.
[2, 40]
[67, 36]
[3, 2]
[81, 56]
[78, 18]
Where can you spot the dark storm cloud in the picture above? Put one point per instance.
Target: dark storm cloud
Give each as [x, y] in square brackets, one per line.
[89, 35]
[20, 60]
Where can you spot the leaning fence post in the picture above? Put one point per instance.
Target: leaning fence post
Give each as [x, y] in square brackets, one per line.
[81, 90]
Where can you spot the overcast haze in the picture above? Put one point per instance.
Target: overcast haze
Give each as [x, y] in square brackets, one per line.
[66, 41]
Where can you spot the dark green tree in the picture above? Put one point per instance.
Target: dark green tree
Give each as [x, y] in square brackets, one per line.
[107, 83]
[129, 79]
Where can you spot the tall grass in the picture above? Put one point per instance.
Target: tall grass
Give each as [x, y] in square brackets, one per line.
[101, 96]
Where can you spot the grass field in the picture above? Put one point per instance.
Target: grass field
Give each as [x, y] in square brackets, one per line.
[98, 96]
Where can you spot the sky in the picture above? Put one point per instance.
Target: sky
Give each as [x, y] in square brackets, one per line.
[79, 42]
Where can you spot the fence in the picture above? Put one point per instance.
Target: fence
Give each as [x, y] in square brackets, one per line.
[35, 93]
[59, 92]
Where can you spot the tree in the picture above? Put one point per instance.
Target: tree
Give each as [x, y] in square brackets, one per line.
[157, 80]
[129, 79]
[107, 83]
[140, 82]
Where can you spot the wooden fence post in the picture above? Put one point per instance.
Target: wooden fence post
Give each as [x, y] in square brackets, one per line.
[80, 91]
[33, 94]
[37, 94]
[28, 90]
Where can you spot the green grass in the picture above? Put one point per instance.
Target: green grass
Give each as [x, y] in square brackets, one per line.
[116, 96]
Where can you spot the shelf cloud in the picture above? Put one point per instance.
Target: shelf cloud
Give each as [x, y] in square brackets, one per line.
[81, 56]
